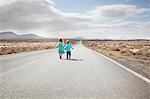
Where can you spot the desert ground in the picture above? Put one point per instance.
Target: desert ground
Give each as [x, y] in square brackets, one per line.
[18, 46]
[132, 54]
[11, 47]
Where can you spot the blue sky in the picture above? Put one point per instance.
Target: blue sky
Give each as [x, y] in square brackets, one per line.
[82, 6]
[100, 19]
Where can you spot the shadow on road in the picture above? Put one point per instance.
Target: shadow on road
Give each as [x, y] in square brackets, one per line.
[73, 59]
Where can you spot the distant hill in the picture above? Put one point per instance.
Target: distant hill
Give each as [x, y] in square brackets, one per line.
[14, 36]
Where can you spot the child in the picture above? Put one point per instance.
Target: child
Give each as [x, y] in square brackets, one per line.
[68, 49]
[60, 48]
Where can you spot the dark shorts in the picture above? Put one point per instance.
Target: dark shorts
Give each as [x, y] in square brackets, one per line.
[69, 53]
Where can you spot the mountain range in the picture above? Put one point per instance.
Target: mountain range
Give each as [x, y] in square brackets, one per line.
[14, 36]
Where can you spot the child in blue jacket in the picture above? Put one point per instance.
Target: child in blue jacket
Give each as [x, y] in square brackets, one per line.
[68, 50]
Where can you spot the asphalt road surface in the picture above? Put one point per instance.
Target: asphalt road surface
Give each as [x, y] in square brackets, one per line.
[42, 75]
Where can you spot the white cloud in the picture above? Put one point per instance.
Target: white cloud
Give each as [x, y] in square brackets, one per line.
[115, 11]
[26, 15]
[6, 2]
[41, 16]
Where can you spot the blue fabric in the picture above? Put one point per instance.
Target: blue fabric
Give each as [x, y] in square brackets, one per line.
[68, 47]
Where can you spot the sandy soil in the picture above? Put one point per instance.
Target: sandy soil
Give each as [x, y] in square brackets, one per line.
[10, 47]
[133, 54]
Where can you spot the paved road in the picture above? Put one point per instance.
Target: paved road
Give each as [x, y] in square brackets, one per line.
[41, 75]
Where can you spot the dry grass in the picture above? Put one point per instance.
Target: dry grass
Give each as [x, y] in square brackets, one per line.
[136, 54]
[10, 47]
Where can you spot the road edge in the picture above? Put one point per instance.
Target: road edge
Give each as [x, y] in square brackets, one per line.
[122, 66]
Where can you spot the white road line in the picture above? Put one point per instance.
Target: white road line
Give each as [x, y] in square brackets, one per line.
[133, 72]
[129, 70]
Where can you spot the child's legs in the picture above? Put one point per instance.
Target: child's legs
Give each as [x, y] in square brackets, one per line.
[69, 55]
[60, 55]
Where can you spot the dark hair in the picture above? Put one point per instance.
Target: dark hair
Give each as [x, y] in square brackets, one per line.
[67, 41]
[60, 40]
